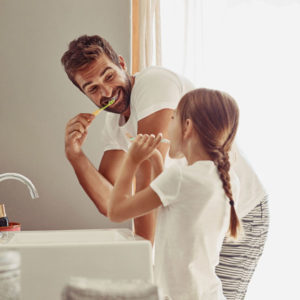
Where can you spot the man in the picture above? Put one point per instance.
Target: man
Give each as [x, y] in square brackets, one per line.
[144, 104]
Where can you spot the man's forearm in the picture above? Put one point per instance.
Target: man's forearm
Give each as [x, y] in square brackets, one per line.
[97, 187]
[145, 225]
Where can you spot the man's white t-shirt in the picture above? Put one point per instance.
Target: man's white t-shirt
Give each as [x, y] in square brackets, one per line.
[154, 89]
[252, 191]
[157, 88]
[191, 226]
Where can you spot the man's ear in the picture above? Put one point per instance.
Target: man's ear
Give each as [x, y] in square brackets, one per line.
[122, 63]
[187, 128]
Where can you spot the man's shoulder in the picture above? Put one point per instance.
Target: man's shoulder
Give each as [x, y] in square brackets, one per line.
[160, 78]
[155, 72]
[150, 69]
[156, 88]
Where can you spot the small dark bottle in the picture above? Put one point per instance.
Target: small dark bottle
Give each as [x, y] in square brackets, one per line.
[3, 218]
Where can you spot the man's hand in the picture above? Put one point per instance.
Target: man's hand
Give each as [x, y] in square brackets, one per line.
[75, 135]
[143, 147]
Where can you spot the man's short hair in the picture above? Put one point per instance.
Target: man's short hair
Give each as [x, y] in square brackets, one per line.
[85, 50]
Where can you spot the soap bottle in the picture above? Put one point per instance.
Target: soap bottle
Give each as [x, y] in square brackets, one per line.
[3, 218]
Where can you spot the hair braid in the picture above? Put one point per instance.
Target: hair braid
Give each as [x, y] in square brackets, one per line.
[221, 160]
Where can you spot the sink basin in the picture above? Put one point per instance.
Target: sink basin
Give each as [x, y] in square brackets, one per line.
[50, 258]
[55, 237]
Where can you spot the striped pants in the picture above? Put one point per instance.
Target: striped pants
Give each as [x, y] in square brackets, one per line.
[238, 260]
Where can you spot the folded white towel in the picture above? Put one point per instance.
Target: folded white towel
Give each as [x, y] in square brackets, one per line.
[99, 289]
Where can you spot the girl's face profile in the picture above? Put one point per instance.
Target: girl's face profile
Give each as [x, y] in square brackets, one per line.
[175, 136]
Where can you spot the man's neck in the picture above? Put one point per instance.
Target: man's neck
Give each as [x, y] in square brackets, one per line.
[126, 114]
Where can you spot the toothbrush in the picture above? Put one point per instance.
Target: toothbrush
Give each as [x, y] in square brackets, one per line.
[131, 138]
[166, 141]
[97, 111]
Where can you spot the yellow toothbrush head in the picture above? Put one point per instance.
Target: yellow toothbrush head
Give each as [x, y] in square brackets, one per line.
[97, 111]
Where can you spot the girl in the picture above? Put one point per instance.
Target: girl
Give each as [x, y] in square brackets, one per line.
[197, 201]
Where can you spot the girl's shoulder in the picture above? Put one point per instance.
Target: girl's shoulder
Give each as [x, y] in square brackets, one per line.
[201, 176]
[200, 168]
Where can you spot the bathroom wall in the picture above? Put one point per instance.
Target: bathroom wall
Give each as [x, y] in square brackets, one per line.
[37, 99]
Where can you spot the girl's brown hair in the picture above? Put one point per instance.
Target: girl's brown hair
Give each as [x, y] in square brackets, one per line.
[85, 50]
[215, 116]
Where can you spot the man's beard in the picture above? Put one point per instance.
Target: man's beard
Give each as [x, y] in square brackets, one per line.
[124, 103]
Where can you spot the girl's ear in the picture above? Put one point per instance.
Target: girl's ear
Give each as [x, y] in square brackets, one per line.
[188, 128]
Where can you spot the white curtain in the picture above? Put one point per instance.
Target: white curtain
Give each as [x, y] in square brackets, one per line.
[149, 33]
[251, 49]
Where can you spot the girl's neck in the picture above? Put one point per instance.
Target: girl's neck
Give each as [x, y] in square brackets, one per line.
[194, 152]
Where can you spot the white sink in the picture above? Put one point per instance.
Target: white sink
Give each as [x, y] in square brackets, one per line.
[50, 258]
[29, 238]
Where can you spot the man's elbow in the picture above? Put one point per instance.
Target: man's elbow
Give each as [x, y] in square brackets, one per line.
[115, 216]
[103, 212]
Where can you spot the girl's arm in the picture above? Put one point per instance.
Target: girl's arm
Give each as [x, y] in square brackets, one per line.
[122, 204]
[157, 164]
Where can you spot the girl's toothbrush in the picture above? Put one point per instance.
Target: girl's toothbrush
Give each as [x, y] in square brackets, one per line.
[97, 111]
[131, 138]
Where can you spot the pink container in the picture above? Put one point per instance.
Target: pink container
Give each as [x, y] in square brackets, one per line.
[12, 227]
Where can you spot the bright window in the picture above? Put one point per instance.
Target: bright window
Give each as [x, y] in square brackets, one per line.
[251, 49]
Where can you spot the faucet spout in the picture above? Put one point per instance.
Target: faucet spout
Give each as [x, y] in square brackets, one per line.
[33, 192]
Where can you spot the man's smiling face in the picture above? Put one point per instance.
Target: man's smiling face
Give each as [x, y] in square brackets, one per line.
[102, 80]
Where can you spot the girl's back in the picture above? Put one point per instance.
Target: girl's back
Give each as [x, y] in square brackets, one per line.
[191, 226]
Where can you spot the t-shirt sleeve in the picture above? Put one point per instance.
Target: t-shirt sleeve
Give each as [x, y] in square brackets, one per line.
[156, 90]
[167, 185]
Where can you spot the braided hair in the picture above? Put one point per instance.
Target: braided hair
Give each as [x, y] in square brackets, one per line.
[215, 117]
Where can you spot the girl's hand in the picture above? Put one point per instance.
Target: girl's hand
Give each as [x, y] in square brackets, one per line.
[143, 147]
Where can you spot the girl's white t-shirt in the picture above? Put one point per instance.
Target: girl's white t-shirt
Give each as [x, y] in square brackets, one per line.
[191, 226]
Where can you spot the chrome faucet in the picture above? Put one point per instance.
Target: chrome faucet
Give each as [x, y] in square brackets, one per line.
[33, 192]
